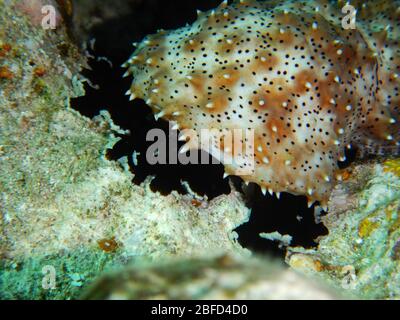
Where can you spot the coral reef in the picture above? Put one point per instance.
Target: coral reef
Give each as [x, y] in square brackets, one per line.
[290, 71]
[62, 202]
[210, 278]
[361, 252]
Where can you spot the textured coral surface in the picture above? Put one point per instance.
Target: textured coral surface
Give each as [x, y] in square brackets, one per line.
[361, 253]
[287, 69]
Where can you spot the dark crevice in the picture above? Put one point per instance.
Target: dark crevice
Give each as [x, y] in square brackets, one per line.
[114, 41]
[288, 215]
[350, 155]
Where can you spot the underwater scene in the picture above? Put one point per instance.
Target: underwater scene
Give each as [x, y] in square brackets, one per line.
[199, 150]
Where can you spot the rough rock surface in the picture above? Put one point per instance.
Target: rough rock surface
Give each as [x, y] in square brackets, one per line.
[212, 278]
[361, 253]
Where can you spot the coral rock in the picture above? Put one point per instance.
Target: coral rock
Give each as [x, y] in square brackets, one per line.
[360, 255]
[218, 278]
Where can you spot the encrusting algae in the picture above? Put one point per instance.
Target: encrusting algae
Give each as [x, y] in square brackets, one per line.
[392, 165]
[289, 70]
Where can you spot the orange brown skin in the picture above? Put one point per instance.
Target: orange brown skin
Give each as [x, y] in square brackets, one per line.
[108, 245]
[288, 70]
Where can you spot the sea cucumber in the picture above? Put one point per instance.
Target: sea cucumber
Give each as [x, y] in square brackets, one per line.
[289, 70]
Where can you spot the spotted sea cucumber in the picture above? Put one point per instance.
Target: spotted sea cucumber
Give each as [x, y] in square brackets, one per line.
[308, 86]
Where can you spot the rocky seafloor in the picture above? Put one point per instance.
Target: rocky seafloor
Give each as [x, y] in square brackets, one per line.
[65, 206]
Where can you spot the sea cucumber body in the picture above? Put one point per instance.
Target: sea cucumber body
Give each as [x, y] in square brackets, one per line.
[308, 87]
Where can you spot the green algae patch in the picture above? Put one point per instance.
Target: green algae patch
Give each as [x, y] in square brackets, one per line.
[50, 277]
